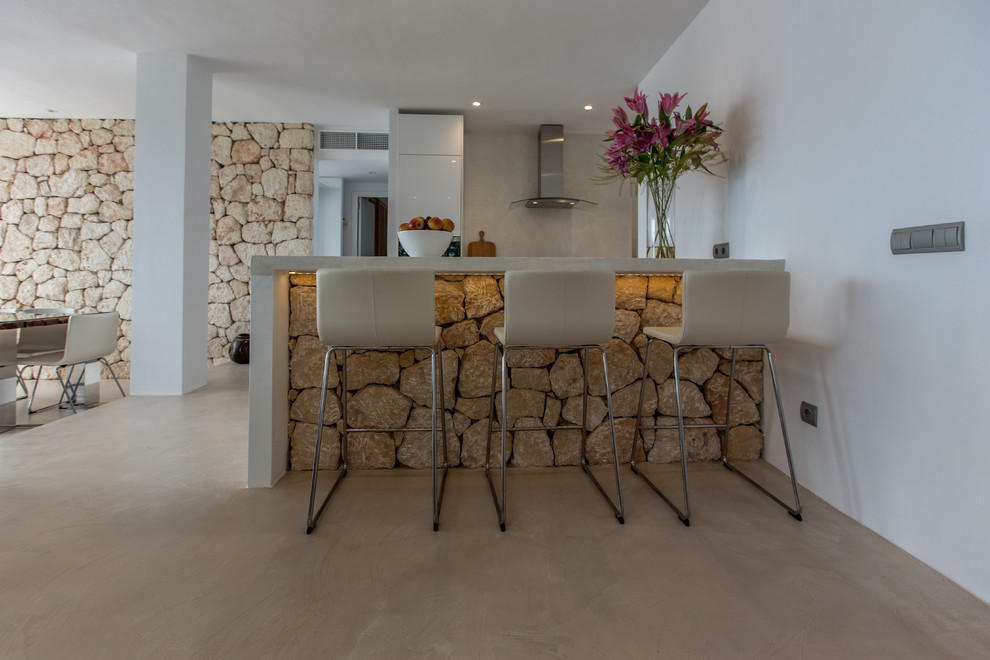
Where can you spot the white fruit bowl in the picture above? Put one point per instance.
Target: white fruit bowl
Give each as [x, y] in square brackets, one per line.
[425, 242]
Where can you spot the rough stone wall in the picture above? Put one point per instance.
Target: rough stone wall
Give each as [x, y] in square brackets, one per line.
[393, 389]
[262, 203]
[66, 205]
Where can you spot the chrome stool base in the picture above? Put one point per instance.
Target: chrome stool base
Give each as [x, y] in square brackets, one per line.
[436, 375]
[685, 514]
[615, 505]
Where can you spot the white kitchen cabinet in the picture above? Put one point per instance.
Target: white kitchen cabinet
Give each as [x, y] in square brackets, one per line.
[429, 185]
[428, 168]
[438, 135]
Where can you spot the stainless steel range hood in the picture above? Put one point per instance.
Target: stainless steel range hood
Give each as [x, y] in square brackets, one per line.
[551, 165]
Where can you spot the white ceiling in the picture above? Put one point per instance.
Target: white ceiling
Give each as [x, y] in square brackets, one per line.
[344, 64]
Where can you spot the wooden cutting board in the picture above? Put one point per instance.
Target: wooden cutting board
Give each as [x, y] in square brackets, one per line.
[481, 248]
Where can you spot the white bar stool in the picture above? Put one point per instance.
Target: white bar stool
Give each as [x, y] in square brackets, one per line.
[724, 309]
[558, 309]
[377, 309]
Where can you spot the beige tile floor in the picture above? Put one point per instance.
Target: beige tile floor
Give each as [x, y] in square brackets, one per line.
[126, 532]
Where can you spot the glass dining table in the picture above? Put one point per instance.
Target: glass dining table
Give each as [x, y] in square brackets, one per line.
[11, 322]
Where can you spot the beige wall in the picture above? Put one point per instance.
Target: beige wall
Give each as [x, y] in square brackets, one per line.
[500, 168]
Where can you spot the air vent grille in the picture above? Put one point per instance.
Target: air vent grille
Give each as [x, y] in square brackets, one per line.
[353, 140]
[376, 141]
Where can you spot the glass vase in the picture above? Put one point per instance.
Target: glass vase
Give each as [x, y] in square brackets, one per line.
[661, 242]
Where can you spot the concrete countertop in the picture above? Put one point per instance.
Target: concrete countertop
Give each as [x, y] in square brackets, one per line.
[261, 266]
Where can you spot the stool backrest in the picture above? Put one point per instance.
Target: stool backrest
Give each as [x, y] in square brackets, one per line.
[375, 306]
[735, 307]
[89, 337]
[559, 308]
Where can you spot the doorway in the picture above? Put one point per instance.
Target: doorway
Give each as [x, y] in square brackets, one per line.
[372, 226]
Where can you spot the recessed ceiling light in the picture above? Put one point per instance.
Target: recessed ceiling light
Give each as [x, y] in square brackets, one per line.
[476, 103]
[52, 110]
[589, 107]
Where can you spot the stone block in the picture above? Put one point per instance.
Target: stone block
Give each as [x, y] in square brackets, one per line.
[302, 310]
[295, 138]
[625, 402]
[475, 409]
[475, 378]
[16, 145]
[745, 443]
[662, 287]
[306, 407]
[626, 325]
[573, 411]
[481, 296]
[378, 407]
[630, 291]
[624, 367]
[531, 448]
[303, 447]
[748, 374]
[701, 444]
[551, 414]
[370, 450]
[245, 151]
[698, 365]
[461, 334]
[567, 447]
[449, 298]
[366, 368]
[744, 411]
[598, 448]
[531, 357]
[475, 440]
[522, 403]
[529, 378]
[693, 402]
[567, 376]
[661, 314]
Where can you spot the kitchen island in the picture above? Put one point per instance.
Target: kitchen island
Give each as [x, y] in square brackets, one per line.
[647, 291]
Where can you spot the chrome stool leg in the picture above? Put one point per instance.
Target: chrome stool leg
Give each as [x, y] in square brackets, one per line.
[794, 511]
[313, 517]
[436, 364]
[617, 507]
[499, 505]
[683, 515]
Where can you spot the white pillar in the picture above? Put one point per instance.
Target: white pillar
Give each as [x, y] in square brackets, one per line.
[171, 223]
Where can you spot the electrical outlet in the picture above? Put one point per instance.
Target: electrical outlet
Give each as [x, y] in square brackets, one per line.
[809, 414]
[720, 251]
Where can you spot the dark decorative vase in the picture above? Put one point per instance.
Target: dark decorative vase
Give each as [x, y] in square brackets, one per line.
[240, 350]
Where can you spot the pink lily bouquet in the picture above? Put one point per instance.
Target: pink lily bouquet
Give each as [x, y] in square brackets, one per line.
[657, 150]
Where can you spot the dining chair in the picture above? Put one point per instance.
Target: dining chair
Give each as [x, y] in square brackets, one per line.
[89, 338]
[39, 340]
[731, 309]
[563, 310]
[377, 309]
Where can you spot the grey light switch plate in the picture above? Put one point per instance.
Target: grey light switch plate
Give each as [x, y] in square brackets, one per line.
[720, 251]
[948, 237]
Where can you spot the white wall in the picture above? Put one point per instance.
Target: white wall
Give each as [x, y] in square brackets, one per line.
[500, 168]
[327, 228]
[843, 120]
